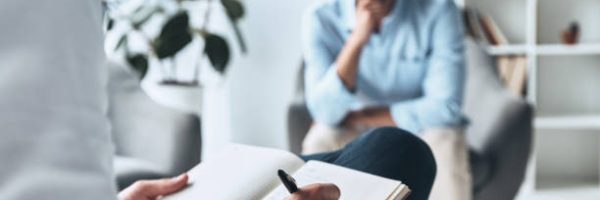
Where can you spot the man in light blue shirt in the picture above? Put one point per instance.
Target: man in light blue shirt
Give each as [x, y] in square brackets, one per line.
[373, 63]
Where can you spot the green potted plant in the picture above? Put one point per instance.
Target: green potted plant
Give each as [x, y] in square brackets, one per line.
[176, 32]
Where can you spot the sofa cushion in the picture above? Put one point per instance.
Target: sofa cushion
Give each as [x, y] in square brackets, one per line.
[146, 130]
[484, 100]
[128, 170]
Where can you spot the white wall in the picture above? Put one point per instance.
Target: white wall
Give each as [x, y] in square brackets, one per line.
[261, 83]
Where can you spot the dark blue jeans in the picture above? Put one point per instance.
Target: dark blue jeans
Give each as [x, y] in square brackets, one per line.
[388, 152]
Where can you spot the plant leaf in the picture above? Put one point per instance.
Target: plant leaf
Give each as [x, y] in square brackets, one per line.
[122, 42]
[139, 63]
[174, 36]
[217, 50]
[234, 9]
[141, 15]
[240, 38]
[110, 23]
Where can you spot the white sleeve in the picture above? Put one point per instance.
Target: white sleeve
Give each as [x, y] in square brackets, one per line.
[54, 134]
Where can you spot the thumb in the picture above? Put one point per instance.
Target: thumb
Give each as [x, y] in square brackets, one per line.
[330, 191]
[165, 186]
[321, 191]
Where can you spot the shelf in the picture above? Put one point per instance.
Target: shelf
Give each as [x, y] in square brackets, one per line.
[562, 83]
[545, 49]
[563, 188]
[561, 49]
[583, 122]
[591, 192]
[507, 50]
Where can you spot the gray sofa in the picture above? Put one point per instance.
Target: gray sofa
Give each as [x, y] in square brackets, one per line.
[499, 136]
[151, 140]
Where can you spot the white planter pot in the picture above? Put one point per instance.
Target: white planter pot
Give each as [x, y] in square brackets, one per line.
[184, 98]
[216, 121]
[211, 103]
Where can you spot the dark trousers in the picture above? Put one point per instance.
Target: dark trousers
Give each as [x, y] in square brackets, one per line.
[388, 152]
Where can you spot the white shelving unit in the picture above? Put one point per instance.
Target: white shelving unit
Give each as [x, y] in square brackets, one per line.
[507, 50]
[560, 49]
[563, 85]
[583, 122]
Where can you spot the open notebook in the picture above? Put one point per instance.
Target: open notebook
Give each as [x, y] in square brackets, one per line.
[248, 173]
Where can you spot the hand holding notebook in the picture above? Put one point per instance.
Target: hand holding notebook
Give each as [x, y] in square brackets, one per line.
[245, 172]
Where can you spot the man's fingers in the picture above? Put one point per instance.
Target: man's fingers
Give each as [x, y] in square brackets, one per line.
[161, 187]
[367, 4]
[362, 3]
[172, 185]
[376, 9]
[321, 191]
[330, 191]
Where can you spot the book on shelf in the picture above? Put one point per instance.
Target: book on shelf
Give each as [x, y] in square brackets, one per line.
[504, 65]
[518, 78]
[483, 28]
[473, 26]
[512, 71]
[493, 33]
[246, 172]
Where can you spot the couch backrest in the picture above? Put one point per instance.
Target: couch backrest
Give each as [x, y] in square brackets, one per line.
[491, 108]
[149, 131]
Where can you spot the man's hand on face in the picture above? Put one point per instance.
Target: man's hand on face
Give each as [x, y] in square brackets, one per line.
[369, 14]
[153, 189]
[319, 191]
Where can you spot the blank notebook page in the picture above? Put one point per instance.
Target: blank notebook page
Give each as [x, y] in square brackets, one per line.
[240, 172]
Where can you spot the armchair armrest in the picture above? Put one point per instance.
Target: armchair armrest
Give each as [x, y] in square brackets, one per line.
[299, 121]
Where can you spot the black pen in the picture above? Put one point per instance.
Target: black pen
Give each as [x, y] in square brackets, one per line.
[288, 181]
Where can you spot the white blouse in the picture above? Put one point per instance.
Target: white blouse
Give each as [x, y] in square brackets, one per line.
[54, 134]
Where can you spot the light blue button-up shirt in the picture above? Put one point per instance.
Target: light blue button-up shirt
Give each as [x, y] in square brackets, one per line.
[414, 65]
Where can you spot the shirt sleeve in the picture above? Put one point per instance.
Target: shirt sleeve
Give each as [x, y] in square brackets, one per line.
[327, 98]
[440, 106]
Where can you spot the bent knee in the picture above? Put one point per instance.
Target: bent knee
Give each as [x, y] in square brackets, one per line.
[401, 143]
[394, 137]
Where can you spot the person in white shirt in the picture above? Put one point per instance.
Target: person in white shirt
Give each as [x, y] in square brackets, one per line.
[54, 138]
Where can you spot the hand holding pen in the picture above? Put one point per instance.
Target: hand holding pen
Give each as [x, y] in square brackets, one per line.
[321, 191]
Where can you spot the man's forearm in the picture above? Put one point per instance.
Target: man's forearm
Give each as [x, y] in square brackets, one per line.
[379, 117]
[370, 117]
[369, 14]
[347, 62]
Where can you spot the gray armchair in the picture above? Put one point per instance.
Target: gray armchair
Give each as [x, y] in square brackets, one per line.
[151, 140]
[499, 136]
